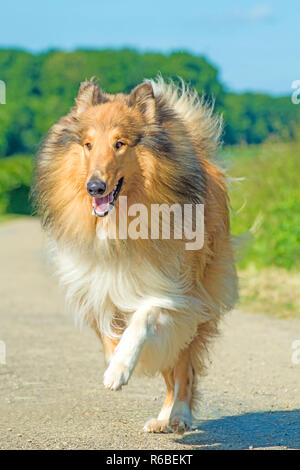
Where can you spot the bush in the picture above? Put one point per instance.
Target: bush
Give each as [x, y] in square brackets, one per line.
[15, 182]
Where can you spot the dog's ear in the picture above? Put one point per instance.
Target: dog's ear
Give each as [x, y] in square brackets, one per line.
[143, 98]
[89, 94]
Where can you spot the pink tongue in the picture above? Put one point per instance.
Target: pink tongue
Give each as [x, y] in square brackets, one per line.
[102, 203]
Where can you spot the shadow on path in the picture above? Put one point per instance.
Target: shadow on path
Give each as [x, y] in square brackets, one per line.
[262, 429]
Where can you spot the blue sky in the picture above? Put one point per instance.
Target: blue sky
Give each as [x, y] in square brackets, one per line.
[255, 44]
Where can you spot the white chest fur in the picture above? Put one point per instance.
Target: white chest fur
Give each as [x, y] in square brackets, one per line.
[100, 283]
[104, 286]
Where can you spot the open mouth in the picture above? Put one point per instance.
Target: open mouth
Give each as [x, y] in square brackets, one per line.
[103, 205]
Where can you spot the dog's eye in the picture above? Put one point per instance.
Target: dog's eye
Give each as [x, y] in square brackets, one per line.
[119, 144]
[88, 145]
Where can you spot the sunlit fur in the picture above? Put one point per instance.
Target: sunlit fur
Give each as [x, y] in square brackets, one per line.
[171, 138]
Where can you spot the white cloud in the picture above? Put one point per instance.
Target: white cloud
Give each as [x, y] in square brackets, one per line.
[259, 12]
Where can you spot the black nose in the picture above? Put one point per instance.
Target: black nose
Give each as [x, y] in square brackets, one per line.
[96, 187]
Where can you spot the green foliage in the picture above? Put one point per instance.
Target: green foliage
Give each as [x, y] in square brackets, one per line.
[251, 118]
[270, 192]
[15, 182]
[41, 88]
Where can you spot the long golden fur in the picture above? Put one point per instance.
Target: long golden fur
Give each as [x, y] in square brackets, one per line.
[153, 303]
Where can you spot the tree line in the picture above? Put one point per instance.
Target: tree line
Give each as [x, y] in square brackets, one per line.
[40, 88]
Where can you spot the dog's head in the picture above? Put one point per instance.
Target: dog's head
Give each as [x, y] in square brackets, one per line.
[111, 128]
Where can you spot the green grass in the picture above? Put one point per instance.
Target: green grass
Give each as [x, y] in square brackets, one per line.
[4, 218]
[269, 195]
[273, 291]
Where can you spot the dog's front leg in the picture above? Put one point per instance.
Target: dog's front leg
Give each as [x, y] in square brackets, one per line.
[126, 355]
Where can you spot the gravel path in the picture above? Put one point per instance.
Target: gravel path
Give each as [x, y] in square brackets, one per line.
[51, 392]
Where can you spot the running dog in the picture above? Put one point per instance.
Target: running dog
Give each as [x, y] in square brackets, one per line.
[154, 304]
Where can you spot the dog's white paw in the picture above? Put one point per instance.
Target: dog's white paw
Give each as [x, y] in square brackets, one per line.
[156, 425]
[116, 375]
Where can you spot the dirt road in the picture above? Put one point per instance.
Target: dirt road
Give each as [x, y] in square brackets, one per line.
[51, 392]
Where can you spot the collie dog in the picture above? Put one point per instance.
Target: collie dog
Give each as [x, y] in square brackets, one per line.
[154, 302]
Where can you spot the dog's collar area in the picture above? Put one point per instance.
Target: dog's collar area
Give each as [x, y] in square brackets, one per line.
[103, 205]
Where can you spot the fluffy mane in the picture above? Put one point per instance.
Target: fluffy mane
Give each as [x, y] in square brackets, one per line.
[205, 128]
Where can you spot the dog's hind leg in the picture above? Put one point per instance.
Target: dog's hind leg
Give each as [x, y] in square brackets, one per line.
[176, 411]
[109, 346]
[160, 424]
[181, 416]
